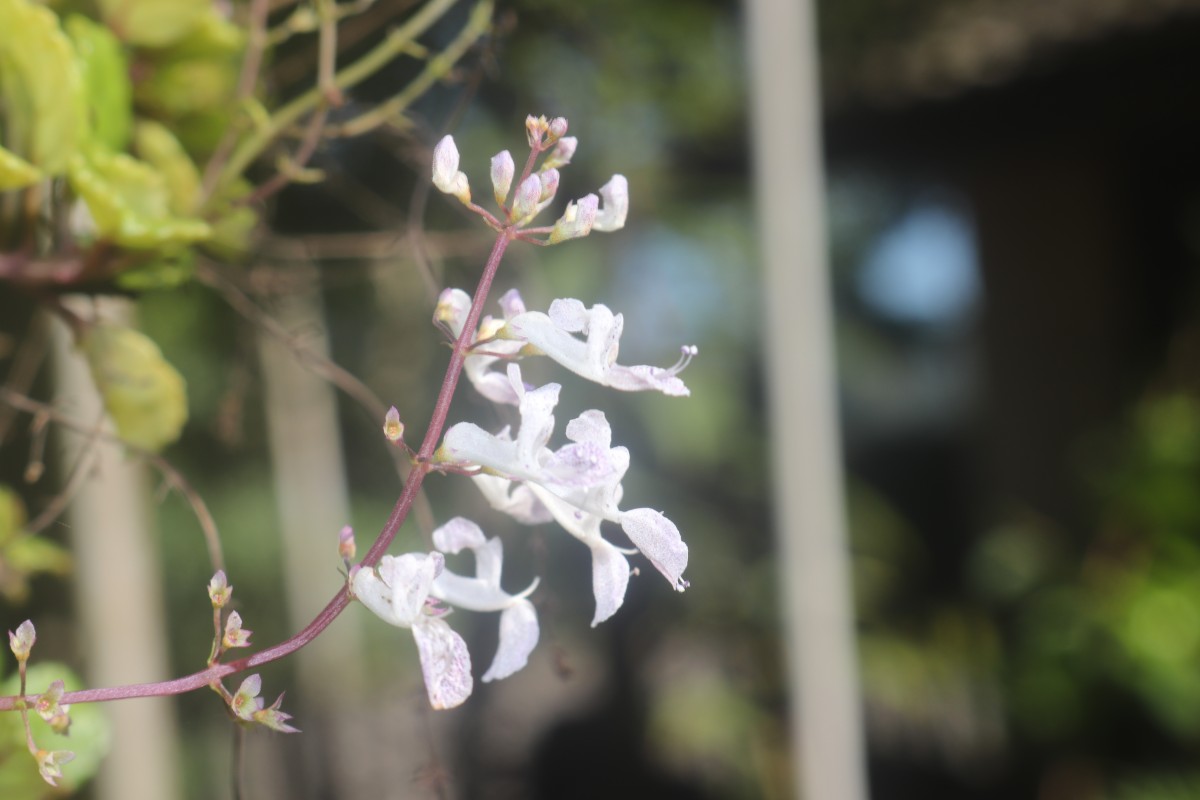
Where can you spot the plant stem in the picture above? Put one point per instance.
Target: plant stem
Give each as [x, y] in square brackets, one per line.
[433, 434]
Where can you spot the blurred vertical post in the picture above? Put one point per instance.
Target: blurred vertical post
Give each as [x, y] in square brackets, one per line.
[313, 502]
[818, 617]
[118, 582]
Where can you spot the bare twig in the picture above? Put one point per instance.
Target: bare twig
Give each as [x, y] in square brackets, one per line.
[79, 470]
[173, 477]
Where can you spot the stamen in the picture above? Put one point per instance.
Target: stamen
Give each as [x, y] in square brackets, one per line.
[686, 354]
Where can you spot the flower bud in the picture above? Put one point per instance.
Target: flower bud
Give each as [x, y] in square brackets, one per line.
[549, 185]
[219, 589]
[50, 764]
[446, 176]
[558, 128]
[22, 641]
[576, 221]
[346, 546]
[561, 155]
[502, 175]
[526, 199]
[393, 428]
[615, 194]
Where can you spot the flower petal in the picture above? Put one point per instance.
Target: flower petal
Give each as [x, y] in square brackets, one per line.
[445, 663]
[610, 578]
[659, 540]
[519, 634]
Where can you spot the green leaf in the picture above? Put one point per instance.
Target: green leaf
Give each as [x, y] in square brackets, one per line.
[160, 149]
[130, 202]
[106, 81]
[162, 273]
[16, 172]
[23, 554]
[144, 395]
[153, 23]
[89, 738]
[41, 88]
[190, 86]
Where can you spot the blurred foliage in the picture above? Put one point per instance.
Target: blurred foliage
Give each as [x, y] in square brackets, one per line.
[23, 554]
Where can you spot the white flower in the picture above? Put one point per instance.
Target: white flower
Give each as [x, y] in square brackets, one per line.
[579, 485]
[398, 591]
[615, 195]
[579, 464]
[576, 221]
[446, 175]
[453, 306]
[594, 358]
[518, 619]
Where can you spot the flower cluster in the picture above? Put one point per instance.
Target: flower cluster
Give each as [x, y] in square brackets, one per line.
[578, 484]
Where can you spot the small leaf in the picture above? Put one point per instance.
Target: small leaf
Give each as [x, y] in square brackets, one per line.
[106, 83]
[159, 148]
[41, 88]
[129, 201]
[143, 393]
[153, 23]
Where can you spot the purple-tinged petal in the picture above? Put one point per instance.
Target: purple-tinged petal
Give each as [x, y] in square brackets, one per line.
[615, 195]
[610, 578]
[658, 539]
[445, 663]
[590, 426]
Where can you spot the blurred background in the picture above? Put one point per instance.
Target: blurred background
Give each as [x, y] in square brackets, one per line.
[1013, 210]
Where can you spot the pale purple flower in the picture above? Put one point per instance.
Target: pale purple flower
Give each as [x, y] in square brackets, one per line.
[576, 221]
[453, 306]
[518, 619]
[398, 592]
[594, 357]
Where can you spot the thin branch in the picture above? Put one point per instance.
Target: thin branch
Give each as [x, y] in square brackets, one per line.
[172, 476]
[79, 470]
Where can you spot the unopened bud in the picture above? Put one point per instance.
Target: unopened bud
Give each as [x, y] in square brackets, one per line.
[393, 428]
[526, 200]
[346, 546]
[446, 176]
[219, 589]
[549, 185]
[503, 170]
[22, 641]
[558, 127]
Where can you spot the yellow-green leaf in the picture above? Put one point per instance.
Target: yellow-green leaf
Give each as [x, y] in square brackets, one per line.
[16, 172]
[23, 554]
[158, 147]
[129, 201]
[143, 394]
[153, 23]
[41, 88]
[106, 81]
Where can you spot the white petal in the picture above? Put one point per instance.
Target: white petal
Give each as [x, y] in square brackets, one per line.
[642, 377]
[569, 314]
[590, 426]
[472, 594]
[457, 534]
[445, 663]
[452, 309]
[511, 304]
[376, 595]
[659, 540]
[410, 577]
[467, 442]
[615, 194]
[513, 499]
[610, 578]
[579, 465]
[518, 636]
